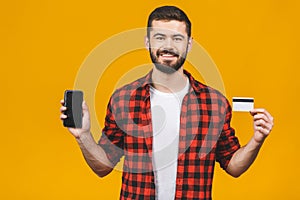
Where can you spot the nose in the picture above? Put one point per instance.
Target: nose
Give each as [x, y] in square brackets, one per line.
[168, 44]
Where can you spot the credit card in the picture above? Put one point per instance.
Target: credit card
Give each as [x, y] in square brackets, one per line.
[242, 104]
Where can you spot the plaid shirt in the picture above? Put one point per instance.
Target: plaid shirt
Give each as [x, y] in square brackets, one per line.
[205, 136]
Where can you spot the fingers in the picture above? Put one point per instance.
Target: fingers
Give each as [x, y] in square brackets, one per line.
[263, 121]
[261, 116]
[260, 123]
[262, 130]
[262, 111]
[62, 110]
[62, 116]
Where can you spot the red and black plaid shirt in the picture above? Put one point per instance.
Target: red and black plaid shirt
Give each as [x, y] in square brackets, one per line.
[205, 136]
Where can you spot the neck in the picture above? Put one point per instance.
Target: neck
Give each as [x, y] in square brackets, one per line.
[168, 82]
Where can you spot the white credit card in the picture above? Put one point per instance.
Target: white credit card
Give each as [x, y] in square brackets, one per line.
[242, 104]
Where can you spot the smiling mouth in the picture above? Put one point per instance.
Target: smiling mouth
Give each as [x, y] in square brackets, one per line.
[167, 54]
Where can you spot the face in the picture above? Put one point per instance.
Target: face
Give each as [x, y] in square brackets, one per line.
[168, 44]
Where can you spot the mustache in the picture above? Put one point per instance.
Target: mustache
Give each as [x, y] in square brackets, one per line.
[166, 51]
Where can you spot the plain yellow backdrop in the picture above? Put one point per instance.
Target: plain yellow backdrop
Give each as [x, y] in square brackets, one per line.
[44, 43]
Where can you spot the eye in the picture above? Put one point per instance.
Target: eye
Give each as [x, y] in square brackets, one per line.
[159, 38]
[178, 39]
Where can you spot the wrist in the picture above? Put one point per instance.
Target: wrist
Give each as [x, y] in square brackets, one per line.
[83, 137]
[257, 143]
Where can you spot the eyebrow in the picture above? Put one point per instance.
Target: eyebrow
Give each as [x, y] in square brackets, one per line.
[158, 34]
[176, 35]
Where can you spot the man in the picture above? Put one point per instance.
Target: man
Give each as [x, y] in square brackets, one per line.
[169, 127]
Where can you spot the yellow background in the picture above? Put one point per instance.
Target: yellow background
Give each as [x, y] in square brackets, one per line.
[43, 44]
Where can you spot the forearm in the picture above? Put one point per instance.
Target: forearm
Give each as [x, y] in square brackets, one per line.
[243, 158]
[94, 155]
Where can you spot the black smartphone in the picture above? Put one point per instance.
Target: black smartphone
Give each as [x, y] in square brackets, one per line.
[73, 101]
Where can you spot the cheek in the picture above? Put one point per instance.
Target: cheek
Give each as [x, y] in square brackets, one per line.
[183, 49]
[153, 51]
[154, 46]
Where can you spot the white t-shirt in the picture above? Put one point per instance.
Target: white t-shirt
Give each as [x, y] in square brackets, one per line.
[165, 111]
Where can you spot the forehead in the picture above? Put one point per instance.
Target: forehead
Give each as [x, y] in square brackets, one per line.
[168, 27]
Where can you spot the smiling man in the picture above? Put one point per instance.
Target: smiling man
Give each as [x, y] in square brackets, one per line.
[169, 128]
[168, 44]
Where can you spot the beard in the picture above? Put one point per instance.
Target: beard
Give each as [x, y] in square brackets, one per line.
[167, 66]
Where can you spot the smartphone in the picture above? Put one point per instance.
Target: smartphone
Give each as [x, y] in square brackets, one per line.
[73, 101]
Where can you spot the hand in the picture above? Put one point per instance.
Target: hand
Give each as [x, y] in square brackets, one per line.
[263, 124]
[78, 132]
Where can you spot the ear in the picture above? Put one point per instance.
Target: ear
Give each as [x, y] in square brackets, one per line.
[146, 40]
[190, 44]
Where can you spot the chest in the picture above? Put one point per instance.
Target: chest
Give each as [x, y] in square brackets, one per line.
[200, 119]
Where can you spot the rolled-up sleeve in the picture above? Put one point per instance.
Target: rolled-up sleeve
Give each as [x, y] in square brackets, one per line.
[112, 137]
[227, 143]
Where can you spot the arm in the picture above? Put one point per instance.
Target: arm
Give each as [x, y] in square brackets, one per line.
[245, 156]
[94, 155]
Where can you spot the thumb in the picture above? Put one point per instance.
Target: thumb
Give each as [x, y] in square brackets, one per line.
[85, 106]
[85, 109]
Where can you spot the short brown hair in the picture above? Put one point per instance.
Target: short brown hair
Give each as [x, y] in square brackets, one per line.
[169, 13]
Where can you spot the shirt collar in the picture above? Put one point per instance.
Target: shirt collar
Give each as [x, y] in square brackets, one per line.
[196, 86]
